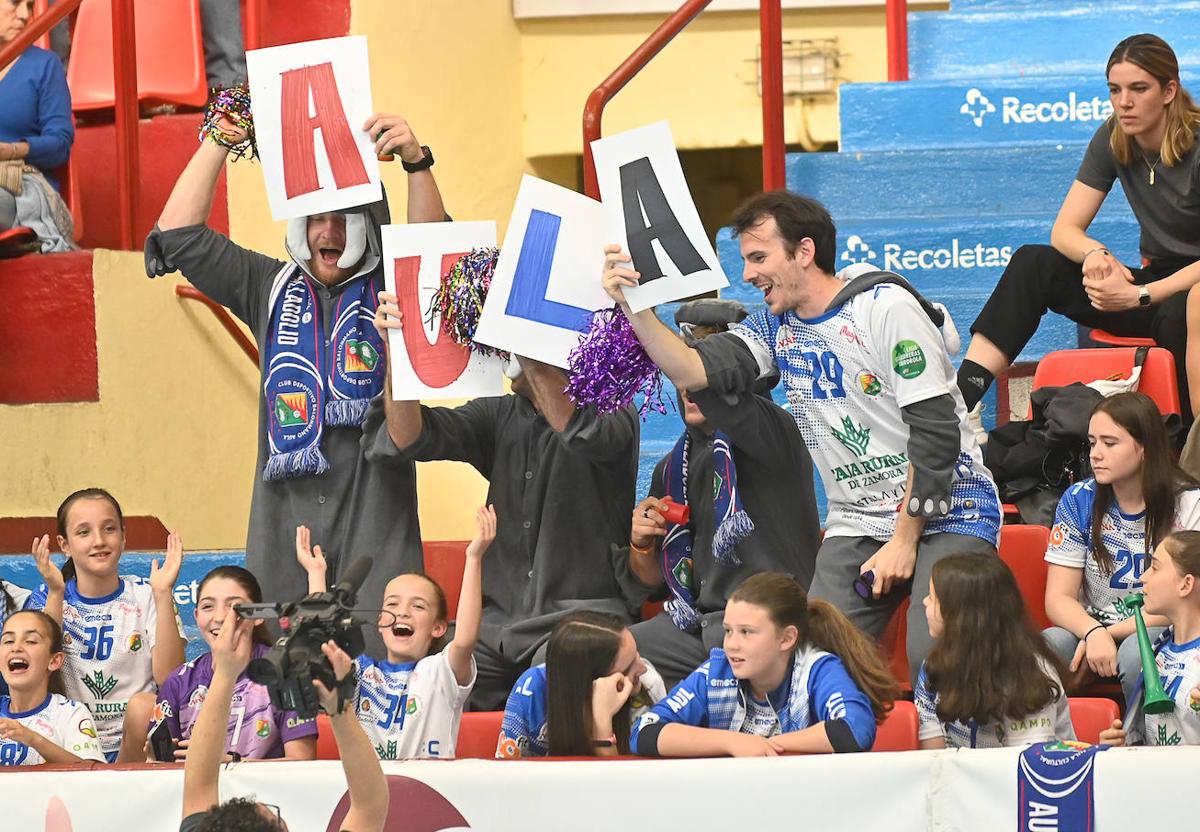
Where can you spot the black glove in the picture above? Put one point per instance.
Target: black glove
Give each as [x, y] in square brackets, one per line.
[156, 260]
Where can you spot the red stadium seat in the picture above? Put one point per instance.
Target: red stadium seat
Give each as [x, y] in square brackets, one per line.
[1101, 337]
[326, 744]
[1090, 716]
[1023, 548]
[898, 731]
[478, 735]
[1158, 372]
[893, 645]
[444, 561]
[170, 54]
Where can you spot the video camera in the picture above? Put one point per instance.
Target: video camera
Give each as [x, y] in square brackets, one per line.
[288, 669]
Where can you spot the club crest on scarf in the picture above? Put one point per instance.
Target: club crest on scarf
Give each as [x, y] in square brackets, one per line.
[312, 384]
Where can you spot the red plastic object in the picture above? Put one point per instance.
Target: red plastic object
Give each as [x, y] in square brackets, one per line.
[1023, 548]
[676, 513]
[478, 735]
[1102, 337]
[169, 54]
[898, 731]
[1091, 715]
[893, 644]
[1158, 372]
[327, 748]
[897, 40]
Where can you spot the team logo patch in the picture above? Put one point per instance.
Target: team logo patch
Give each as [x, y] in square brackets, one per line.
[1057, 535]
[197, 698]
[99, 684]
[683, 572]
[291, 409]
[135, 642]
[262, 727]
[855, 437]
[162, 710]
[387, 751]
[908, 359]
[86, 729]
[869, 383]
[718, 481]
[361, 357]
[412, 706]
[507, 748]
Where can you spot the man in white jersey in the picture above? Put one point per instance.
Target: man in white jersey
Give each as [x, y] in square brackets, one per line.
[870, 384]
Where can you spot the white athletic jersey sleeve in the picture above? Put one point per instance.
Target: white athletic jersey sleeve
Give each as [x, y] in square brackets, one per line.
[1124, 539]
[19, 596]
[411, 710]
[1179, 673]
[108, 643]
[65, 723]
[1051, 722]
[846, 374]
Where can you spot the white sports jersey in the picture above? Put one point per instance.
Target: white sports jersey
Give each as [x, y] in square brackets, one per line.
[65, 723]
[1179, 672]
[847, 374]
[1124, 538]
[1052, 722]
[19, 596]
[411, 709]
[108, 642]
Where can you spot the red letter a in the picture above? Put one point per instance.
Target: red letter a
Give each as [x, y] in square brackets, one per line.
[299, 166]
[442, 362]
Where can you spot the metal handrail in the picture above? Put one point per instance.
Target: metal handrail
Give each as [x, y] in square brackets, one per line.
[897, 40]
[124, 87]
[226, 320]
[772, 88]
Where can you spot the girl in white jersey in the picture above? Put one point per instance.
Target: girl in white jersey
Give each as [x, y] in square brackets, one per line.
[1171, 590]
[411, 704]
[990, 680]
[38, 724]
[1103, 533]
[13, 598]
[121, 633]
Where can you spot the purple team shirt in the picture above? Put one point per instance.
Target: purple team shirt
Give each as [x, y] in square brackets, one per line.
[256, 730]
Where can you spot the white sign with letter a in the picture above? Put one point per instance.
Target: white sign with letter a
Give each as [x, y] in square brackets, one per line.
[425, 362]
[650, 212]
[547, 281]
[310, 101]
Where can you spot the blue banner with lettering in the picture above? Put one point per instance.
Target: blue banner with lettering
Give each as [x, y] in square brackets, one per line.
[1054, 787]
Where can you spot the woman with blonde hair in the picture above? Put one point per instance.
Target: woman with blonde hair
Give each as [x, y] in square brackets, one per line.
[1149, 144]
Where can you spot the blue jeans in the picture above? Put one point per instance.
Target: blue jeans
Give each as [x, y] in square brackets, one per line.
[1129, 662]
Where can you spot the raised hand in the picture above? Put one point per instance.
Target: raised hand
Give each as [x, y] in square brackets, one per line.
[310, 557]
[162, 579]
[485, 531]
[392, 134]
[618, 273]
[232, 647]
[52, 576]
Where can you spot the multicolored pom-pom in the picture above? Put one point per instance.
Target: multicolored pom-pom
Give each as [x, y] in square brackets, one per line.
[459, 298]
[234, 104]
[610, 367]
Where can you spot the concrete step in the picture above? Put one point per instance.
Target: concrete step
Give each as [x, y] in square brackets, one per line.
[955, 262]
[969, 113]
[977, 183]
[1054, 39]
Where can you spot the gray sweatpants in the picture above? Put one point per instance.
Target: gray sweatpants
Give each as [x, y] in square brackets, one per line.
[839, 560]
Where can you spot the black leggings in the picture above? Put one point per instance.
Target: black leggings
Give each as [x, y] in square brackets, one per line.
[1040, 279]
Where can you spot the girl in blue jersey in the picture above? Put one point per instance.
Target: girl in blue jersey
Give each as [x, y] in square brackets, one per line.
[1171, 590]
[411, 703]
[121, 633]
[1103, 533]
[794, 676]
[990, 680]
[38, 724]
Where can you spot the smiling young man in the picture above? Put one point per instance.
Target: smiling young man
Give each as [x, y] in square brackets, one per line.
[321, 363]
[871, 387]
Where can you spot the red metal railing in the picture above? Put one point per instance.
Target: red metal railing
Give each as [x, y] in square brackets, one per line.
[253, 19]
[227, 321]
[897, 40]
[125, 82]
[772, 88]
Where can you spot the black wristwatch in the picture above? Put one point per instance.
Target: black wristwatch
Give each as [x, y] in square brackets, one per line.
[1143, 296]
[425, 164]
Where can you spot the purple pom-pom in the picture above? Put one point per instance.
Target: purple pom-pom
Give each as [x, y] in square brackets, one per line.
[610, 367]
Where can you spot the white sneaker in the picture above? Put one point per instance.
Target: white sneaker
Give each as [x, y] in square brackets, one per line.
[975, 420]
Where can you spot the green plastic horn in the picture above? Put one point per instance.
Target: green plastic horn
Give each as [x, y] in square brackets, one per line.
[1155, 700]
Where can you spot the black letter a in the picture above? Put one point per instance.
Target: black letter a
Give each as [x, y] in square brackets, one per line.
[639, 187]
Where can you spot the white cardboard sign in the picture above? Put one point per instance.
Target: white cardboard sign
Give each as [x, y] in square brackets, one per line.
[547, 280]
[310, 101]
[650, 212]
[425, 363]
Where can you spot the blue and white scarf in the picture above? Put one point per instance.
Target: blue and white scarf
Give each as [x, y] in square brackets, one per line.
[731, 525]
[1054, 787]
[311, 382]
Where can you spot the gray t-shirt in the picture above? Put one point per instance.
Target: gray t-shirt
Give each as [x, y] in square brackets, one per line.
[1168, 211]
